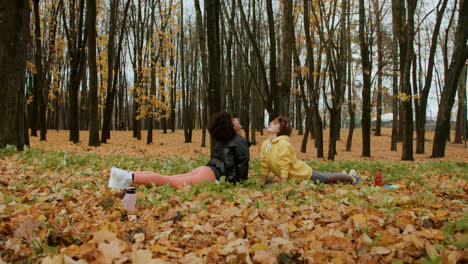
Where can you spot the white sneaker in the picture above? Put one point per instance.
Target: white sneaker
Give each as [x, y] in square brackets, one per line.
[355, 176]
[120, 179]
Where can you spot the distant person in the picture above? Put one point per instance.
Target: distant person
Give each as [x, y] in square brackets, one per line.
[279, 157]
[230, 158]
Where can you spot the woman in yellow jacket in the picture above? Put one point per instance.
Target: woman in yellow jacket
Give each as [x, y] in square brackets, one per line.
[279, 157]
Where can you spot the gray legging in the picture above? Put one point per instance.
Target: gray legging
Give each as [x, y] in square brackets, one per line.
[328, 177]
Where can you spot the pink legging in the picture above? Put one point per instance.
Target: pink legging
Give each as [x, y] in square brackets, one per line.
[198, 175]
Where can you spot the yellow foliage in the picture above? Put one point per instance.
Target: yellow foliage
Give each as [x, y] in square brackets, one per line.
[30, 99]
[31, 67]
[405, 97]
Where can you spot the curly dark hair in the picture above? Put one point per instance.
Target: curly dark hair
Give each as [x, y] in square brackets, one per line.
[285, 128]
[221, 127]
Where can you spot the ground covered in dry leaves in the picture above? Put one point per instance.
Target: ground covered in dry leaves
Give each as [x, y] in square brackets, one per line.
[55, 208]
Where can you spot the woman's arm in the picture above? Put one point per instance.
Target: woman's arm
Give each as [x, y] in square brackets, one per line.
[284, 159]
[242, 157]
[265, 170]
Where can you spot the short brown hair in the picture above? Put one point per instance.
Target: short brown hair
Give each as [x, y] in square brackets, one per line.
[285, 128]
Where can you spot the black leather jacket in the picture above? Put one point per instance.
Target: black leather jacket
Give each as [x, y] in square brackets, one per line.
[231, 159]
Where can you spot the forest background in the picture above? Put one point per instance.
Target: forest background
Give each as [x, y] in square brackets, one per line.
[323, 64]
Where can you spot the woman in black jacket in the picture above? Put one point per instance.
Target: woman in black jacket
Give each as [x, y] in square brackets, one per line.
[229, 158]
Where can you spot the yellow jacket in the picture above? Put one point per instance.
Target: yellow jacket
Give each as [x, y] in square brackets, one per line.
[279, 157]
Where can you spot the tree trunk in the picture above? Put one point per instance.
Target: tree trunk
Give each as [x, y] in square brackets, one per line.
[405, 34]
[395, 111]
[351, 108]
[39, 76]
[202, 45]
[14, 25]
[306, 134]
[184, 67]
[286, 62]
[109, 99]
[421, 105]
[173, 95]
[461, 113]
[76, 44]
[274, 90]
[334, 123]
[212, 28]
[84, 104]
[314, 94]
[351, 103]
[113, 67]
[366, 71]
[380, 65]
[152, 92]
[299, 116]
[459, 57]
[93, 97]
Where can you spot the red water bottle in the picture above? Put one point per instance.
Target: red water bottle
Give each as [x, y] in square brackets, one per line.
[378, 178]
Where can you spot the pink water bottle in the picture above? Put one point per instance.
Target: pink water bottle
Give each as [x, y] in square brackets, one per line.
[129, 199]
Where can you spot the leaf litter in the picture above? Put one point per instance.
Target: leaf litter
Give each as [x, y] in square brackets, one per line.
[55, 208]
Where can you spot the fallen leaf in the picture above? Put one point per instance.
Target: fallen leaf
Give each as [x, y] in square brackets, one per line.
[259, 246]
[366, 239]
[359, 220]
[263, 257]
[431, 233]
[338, 243]
[430, 250]
[416, 241]
[387, 239]
[380, 251]
[143, 256]
[191, 258]
[25, 229]
[57, 259]
[111, 251]
[139, 237]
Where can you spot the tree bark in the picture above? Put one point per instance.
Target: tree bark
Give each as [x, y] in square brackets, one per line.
[93, 97]
[459, 57]
[274, 90]
[39, 87]
[76, 52]
[109, 100]
[380, 65]
[421, 105]
[351, 102]
[113, 66]
[202, 45]
[460, 126]
[214, 53]
[366, 71]
[405, 35]
[84, 97]
[152, 92]
[314, 94]
[286, 62]
[394, 140]
[14, 25]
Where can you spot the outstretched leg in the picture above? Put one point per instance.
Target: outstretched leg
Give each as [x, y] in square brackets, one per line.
[198, 175]
[327, 177]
